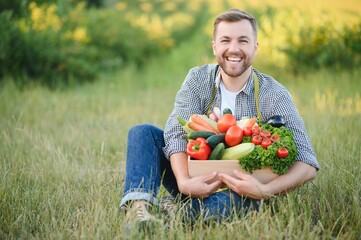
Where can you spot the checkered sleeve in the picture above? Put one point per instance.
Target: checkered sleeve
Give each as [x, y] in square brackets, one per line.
[193, 97]
[280, 102]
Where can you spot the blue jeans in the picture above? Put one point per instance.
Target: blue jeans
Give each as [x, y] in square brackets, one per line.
[147, 168]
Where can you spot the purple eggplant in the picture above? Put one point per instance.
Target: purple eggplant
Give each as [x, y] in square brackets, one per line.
[276, 121]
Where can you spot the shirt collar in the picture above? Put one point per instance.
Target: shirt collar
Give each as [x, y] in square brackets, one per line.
[247, 88]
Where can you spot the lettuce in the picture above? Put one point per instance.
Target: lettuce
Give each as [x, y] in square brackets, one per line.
[260, 158]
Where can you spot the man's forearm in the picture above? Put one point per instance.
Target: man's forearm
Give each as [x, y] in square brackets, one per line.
[198, 187]
[298, 174]
[179, 163]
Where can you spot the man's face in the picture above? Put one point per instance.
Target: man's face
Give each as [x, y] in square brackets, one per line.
[234, 46]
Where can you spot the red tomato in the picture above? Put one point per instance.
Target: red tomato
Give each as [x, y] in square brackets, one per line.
[282, 152]
[234, 136]
[265, 133]
[247, 131]
[256, 140]
[275, 137]
[225, 122]
[256, 129]
[266, 142]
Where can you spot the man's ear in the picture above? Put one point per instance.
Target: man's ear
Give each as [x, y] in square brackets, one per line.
[256, 47]
[213, 47]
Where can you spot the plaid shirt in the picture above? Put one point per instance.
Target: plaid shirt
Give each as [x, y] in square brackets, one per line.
[195, 96]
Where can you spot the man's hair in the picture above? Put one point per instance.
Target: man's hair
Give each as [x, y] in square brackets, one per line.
[235, 15]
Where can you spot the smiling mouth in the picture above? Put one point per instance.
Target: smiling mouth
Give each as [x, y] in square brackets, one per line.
[234, 59]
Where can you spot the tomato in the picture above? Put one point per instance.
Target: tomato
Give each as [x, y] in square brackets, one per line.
[234, 136]
[256, 129]
[275, 137]
[265, 133]
[266, 142]
[256, 140]
[282, 152]
[225, 122]
[247, 131]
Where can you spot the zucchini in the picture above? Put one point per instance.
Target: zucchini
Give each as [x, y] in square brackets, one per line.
[213, 140]
[227, 111]
[202, 134]
[185, 124]
[217, 152]
[238, 151]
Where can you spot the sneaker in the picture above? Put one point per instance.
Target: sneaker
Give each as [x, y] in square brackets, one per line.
[138, 220]
[168, 206]
[139, 212]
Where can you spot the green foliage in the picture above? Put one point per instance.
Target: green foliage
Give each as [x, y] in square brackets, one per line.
[9, 36]
[326, 46]
[115, 41]
[41, 56]
[58, 44]
[16, 7]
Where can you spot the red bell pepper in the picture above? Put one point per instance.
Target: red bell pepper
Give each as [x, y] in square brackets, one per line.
[199, 149]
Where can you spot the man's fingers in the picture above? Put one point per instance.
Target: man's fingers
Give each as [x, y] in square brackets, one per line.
[215, 185]
[240, 175]
[210, 177]
[213, 117]
[228, 180]
[217, 112]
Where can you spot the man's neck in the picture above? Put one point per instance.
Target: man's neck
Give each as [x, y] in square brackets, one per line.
[235, 84]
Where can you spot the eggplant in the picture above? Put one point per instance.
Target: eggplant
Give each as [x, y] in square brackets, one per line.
[276, 121]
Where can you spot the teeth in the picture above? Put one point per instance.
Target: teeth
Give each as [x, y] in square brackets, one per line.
[233, 59]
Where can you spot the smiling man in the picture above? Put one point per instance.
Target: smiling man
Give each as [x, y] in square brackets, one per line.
[155, 156]
[235, 47]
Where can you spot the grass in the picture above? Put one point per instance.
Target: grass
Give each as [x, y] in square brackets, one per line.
[62, 156]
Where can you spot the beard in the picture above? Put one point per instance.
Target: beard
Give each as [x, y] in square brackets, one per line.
[234, 69]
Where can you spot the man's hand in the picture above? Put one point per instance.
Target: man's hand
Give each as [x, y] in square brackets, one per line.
[201, 186]
[244, 185]
[215, 114]
[197, 187]
[247, 185]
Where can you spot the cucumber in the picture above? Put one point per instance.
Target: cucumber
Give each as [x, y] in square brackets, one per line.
[213, 140]
[202, 134]
[227, 111]
[185, 124]
[217, 152]
[238, 151]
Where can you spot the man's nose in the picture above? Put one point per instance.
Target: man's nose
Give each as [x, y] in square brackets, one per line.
[234, 46]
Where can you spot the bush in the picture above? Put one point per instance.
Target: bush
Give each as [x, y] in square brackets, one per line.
[57, 45]
[326, 47]
[9, 45]
[59, 42]
[114, 40]
[33, 55]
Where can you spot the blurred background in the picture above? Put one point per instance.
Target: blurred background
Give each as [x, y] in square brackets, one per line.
[76, 75]
[59, 42]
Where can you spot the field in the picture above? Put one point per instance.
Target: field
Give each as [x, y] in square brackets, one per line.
[62, 154]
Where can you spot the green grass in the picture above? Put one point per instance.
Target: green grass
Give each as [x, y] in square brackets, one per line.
[62, 156]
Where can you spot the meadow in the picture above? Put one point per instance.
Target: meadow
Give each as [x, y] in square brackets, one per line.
[62, 153]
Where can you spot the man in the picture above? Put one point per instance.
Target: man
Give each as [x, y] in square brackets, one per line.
[154, 156]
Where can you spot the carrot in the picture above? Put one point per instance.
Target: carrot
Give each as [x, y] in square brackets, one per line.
[199, 120]
[197, 127]
[210, 121]
[249, 123]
